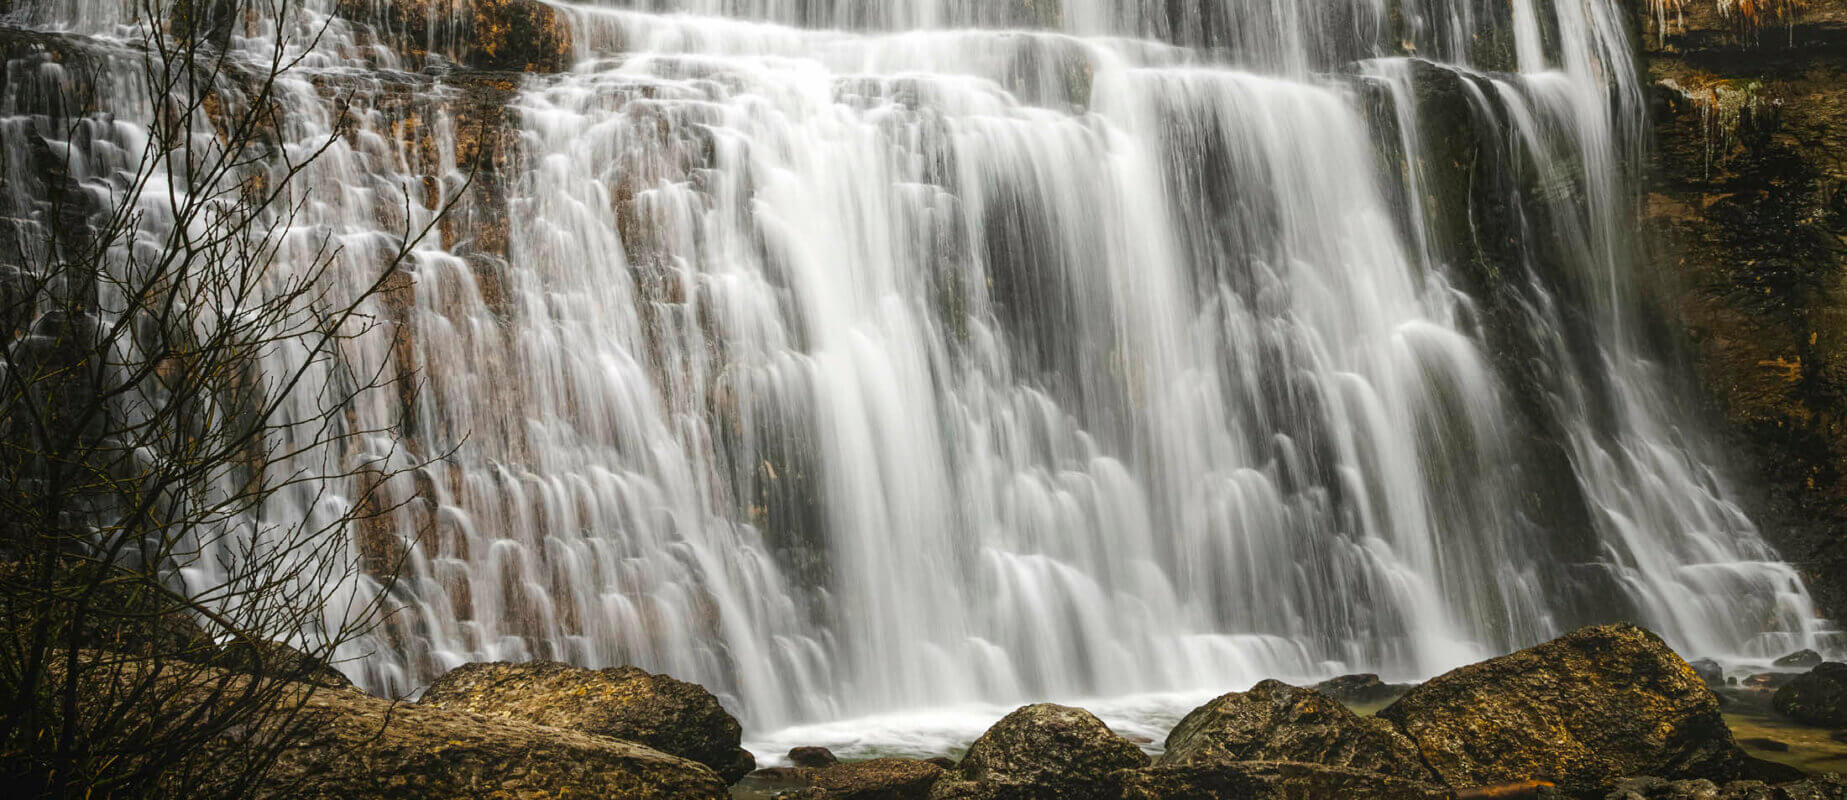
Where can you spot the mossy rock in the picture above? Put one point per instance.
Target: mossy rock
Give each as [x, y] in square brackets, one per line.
[1582, 711]
[358, 747]
[673, 716]
[1041, 751]
[1817, 697]
[1278, 722]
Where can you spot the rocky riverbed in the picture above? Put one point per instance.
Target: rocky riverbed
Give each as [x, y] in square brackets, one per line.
[1603, 712]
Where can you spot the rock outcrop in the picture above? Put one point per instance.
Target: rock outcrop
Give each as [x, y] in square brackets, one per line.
[626, 703]
[1041, 751]
[506, 35]
[1583, 711]
[1818, 697]
[1278, 722]
[1747, 207]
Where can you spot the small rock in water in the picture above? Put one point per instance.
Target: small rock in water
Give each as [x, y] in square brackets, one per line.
[812, 757]
[1361, 689]
[1765, 743]
[1802, 659]
[1709, 671]
[781, 774]
[1768, 680]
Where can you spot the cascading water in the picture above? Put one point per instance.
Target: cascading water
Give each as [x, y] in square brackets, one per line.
[847, 357]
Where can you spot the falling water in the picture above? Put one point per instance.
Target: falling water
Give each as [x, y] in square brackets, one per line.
[848, 357]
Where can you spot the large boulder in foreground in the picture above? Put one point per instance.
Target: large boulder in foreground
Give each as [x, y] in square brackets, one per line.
[1278, 722]
[1266, 780]
[1581, 711]
[672, 716]
[1041, 751]
[357, 747]
[1817, 697]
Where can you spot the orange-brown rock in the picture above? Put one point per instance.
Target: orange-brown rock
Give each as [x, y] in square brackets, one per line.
[620, 702]
[1582, 711]
[510, 35]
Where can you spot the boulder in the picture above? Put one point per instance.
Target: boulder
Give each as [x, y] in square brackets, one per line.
[1361, 689]
[1041, 751]
[812, 757]
[1266, 780]
[278, 660]
[1801, 659]
[1582, 711]
[1818, 697]
[672, 716]
[357, 747]
[1278, 722]
[878, 779]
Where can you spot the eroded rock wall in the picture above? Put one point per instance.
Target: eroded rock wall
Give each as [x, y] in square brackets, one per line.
[1751, 217]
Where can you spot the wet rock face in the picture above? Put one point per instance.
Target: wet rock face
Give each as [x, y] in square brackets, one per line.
[1818, 697]
[625, 703]
[1746, 210]
[1266, 780]
[1278, 722]
[1041, 751]
[509, 35]
[1582, 711]
[351, 753]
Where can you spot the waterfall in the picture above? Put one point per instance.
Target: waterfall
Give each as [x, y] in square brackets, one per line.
[849, 357]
